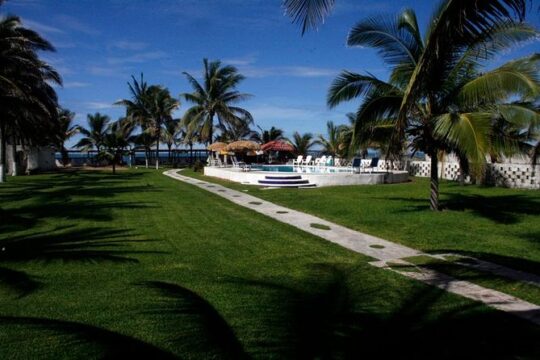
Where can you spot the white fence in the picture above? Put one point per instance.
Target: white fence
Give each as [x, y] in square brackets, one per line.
[524, 176]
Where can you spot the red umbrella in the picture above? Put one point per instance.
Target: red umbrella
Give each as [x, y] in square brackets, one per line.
[278, 145]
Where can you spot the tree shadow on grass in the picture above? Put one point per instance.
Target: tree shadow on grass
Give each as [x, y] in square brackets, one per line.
[65, 244]
[194, 325]
[18, 282]
[71, 244]
[73, 339]
[515, 263]
[191, 325]
[321, 318]
[27, 216]
[500, 209]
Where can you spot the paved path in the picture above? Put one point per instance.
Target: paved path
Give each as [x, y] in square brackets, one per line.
[382, 251]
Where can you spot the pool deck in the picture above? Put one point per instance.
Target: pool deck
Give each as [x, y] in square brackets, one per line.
[319, 179]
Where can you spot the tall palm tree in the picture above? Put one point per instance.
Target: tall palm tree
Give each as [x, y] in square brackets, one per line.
[309, 13]
[28, 102]
[190, 137]
[171, 134]
[335, 142]
[302, 142]
[137, 109]
[214, 99]
[452, 111]
[271, 134]
[160, 106]
[116, 141]
[144, 141]
[94, 134]
[65, 132]
[237, 131]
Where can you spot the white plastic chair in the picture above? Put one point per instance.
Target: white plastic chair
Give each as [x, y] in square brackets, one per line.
[298, 160]
[307, 161]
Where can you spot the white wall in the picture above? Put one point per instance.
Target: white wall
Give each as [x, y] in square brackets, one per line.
[513, 175]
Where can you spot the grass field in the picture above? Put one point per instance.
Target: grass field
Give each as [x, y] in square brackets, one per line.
[495, 224]
[95, 265]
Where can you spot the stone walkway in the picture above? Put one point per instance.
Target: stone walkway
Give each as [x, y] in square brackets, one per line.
[382, 251]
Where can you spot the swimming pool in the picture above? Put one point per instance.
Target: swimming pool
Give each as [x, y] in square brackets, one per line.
[302, 169]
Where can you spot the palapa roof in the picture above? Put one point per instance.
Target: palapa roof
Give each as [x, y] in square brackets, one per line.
[243, 145]
[217, 146]
[278, 145]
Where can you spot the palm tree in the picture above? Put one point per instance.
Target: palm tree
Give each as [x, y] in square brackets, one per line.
[237, 131]
[190, 137]
[28, 103]
[171, 134]
[309, 13]
[269, 135]
[452, 111]
[144, 141]
[65, 132]
[115, 141]
[302, 143]
[335, 143]
[214, 99]
[137, 109]
[94, 134]
[160, 105]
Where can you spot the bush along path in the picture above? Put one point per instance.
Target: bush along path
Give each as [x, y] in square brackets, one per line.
[386, 254]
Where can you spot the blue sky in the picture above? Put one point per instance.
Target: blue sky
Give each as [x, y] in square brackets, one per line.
[100, 44]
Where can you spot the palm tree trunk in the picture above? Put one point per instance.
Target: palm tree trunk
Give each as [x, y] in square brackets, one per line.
[14, 157]
[65, 155]
[158, 135]
[169, 154]
[190, 153]
[146, 157]
[434, 185]
[114, 164]
[2, 155]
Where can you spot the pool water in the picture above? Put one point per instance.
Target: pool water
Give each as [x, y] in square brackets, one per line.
[301, 169]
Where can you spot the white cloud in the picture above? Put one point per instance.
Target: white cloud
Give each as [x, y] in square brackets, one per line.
[40, 27]
[98, 105]
[138, 58]
[294, 71]
[129, 45]
[72, 23]
[107, 71]
[241, 61]
[75, 84]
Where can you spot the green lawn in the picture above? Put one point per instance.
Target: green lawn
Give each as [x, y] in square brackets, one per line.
[95, 265]
[495, 224]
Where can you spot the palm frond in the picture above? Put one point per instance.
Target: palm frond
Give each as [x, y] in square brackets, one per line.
[308, 13]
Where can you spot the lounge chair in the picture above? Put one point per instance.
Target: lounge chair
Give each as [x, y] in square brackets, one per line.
[372, 165]
[236, 163]
[307, 161]
[321, 162]
[298, 160]
[329, 161]
[356, 165]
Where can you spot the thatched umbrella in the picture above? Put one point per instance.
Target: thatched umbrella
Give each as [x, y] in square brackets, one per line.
[217, 146]
[278, 145]
[242, 145]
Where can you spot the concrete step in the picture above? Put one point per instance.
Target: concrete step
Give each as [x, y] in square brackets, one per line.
[283, 182]
[289, 186]
[280, 177]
